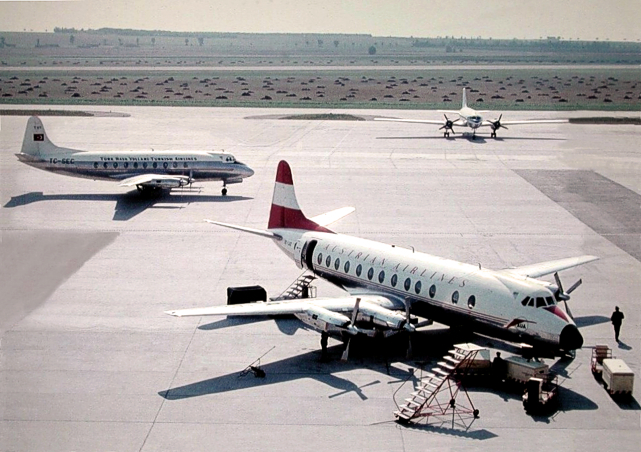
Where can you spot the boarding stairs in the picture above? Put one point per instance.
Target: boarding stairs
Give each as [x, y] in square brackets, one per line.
[437, 391]
[301, 288]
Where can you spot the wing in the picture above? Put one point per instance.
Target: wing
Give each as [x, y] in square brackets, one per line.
[333, 216]
[156, 180]
[547, 268]
[529, 121]
[420, 121]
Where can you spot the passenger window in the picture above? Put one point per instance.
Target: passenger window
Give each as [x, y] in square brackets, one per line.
[455, 297]
[525, 300]
[346, 267]
[328, 261]
[165, 165]
[144, 165]
[126, 165]
[337, 263]
[185, 165]
[95, 165]
[432, 291]
[540, 302]
[381, 277]
[359, 269]
[175, 165]
[394, 280]
[370, 273]
[471, 302]
[104, 165]
[407, 284]
[320, 258]
[417, 287]
[155, 165]
[115, 164]
[135, 164]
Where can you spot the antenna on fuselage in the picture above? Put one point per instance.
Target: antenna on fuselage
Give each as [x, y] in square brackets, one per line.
[479, 265]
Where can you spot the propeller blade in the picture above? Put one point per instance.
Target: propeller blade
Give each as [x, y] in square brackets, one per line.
[574, 286]
[558, 282]
[567, 309]
[407, 326]
[355, 311]
[345, 355]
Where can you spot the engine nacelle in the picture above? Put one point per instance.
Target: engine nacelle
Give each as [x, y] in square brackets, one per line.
[381, 316]
[327, 316]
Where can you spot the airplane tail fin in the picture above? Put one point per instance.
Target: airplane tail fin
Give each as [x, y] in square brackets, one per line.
[464, 98]
[35, 140]
[285, 211]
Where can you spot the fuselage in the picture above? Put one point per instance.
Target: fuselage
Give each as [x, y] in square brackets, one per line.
[119, 165]
[470, 117]
[449, 292]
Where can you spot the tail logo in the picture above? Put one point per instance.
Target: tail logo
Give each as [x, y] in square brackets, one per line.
[38, 137]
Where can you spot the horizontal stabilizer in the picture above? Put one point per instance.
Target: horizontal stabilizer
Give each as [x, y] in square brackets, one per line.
[333, 216]
[547, 268]
[419, 121]
[261, 232]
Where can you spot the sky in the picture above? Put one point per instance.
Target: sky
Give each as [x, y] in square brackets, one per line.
[616, 20]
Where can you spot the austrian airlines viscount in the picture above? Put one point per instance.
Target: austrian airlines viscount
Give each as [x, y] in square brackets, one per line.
[385, 284]
[146, 170]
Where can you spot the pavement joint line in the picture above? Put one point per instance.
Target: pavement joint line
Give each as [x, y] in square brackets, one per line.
[171, 383]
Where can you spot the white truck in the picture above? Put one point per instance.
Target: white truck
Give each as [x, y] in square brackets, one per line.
[618, 379]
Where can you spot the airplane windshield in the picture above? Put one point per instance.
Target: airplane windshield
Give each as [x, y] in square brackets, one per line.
[475, 118]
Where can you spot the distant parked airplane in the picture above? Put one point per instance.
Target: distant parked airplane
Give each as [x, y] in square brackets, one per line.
[147, 170]
[385, 284]
[468, 117]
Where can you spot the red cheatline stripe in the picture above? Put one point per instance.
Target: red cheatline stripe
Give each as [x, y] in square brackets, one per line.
[557, 311]
[284, 173]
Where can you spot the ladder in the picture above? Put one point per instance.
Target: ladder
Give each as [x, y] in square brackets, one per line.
[299, 288]
[437, 391]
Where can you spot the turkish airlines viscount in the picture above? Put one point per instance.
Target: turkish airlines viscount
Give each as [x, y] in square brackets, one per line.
[385, 284]
[468, 117]
[147, 170]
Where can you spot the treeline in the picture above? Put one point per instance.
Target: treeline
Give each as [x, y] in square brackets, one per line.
[204, 34]
[555, 44]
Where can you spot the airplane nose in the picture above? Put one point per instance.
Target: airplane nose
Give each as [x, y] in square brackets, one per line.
[571, 338]
[248, 172]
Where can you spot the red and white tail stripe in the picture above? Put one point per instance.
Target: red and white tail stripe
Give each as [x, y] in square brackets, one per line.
[285, 211]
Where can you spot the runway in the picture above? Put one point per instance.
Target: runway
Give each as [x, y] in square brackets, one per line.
[89, 361]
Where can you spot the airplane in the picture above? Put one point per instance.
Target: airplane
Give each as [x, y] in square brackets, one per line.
[387, 284]
[147, 170]
[468, 117]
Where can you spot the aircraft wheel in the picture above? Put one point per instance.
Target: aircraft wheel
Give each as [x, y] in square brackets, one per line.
[224, 191]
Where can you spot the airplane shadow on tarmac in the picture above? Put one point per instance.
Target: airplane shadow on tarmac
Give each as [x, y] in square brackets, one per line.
[479, 139]
[378, 355]
[129, 204]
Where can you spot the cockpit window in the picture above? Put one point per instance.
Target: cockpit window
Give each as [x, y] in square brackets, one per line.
[550, 301]
[531, 302]
[540, 302]
[525, 301]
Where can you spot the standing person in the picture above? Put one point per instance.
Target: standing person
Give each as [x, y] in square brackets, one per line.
[616, 319]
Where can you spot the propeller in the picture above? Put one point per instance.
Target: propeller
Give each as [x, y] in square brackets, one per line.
[564, 296]
[352, 329]
[449, 124]
[496, 125]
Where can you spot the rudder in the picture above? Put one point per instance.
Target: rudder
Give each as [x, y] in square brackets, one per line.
[285, 211]
[35, 140]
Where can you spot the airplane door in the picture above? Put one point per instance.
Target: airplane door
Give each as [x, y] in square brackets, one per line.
[303, 253]
[299, 249]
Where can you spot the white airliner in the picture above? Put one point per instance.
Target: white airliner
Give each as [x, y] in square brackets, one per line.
[147, 170]
[385, 284]
[468, 117]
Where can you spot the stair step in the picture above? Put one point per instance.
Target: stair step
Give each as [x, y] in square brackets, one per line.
[446, 365]
[403, 415]
[442, 372]
[451, 359]
[416, 395]
[429, 383]
[457, 355]
[435, 377]
[412, 402]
